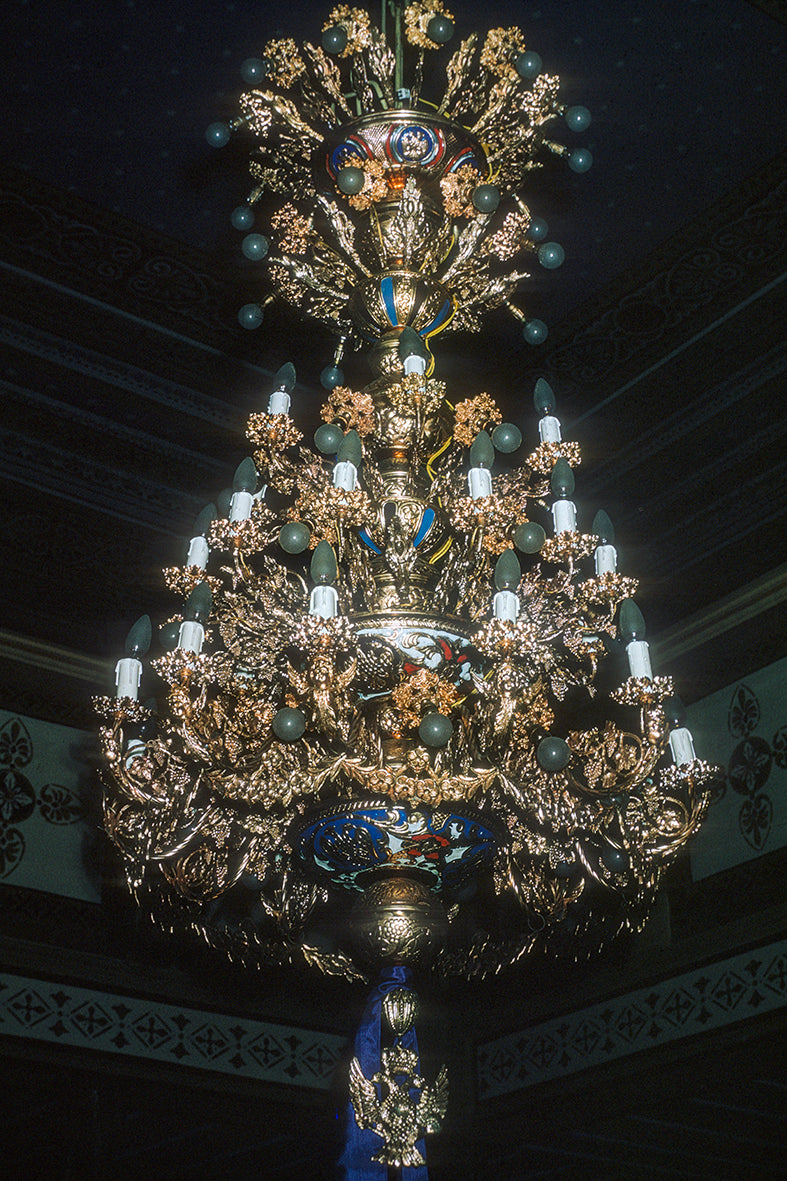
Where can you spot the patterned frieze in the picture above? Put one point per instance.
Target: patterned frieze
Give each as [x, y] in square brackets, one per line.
[134, 1027]
[710, 997]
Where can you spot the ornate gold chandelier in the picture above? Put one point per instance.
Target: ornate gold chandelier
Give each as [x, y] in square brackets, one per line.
[405, 727]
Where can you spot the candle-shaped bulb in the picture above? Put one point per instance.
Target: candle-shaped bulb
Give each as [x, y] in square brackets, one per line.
[482, 451]
[284, 383]
[139, 638]
[245, 479]
[606, 556]
[631, 624]
[223, 502]
[603, 528]
[562, 479]
[543, 397]
[199, 603]
[674, 711]
[412, 351]
[285, 378]
[244, 484]
[507, 571]
[199, 552]
[350, 450]
[323, 568]
[204, 520]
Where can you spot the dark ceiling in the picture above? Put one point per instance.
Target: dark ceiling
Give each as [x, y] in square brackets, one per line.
[111, 101]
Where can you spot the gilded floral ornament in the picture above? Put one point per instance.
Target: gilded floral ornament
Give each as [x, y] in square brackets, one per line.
[417, 16]
[501, 49]
[356, 24]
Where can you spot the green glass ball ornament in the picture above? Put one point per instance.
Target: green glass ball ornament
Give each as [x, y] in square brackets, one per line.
[486, 198]
[435, 729]
[528, 65]
[507, 438]
[615, 860]
[218, 134]
[580, 160]
[250, 316]
[328, 438]
[294, 537]
[440, 29]
[535, 331]
[551, 255]
[169, 634]
[577, 118]
[537, 230]
[552, 753]
[254, 69]
[351, 180]
[334, 39]
[331, 377]
[254, 246]
[289, 724]
[242, 218]
[529, 538]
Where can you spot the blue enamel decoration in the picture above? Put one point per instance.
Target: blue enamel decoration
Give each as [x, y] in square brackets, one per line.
[348, 845]
[427, 520]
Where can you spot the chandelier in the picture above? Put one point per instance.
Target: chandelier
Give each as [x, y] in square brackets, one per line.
[407, 728]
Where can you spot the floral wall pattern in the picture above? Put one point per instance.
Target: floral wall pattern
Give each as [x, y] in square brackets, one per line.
[49, 828]
[744, 727]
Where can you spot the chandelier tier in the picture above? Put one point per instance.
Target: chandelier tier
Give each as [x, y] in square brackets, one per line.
[405, 724]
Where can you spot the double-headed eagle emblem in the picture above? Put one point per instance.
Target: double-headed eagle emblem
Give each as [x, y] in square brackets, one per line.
[405, 1108]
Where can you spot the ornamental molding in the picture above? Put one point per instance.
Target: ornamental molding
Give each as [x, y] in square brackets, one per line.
[137, 1027]
[707, 998]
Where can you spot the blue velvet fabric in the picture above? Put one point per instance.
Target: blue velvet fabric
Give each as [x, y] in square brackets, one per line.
[355, 1163]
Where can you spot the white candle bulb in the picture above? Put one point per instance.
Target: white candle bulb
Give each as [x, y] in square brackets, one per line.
[279, 402]
[345, 475]
[606, 559]
[505, 605]
[415, 364]
[479, 482]
[564, 516]
[549, 429]
[682, 746]
[240, 506]
[324, 602]
[638, 652]
[198, 552]
[191, 636]
[128, 673]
